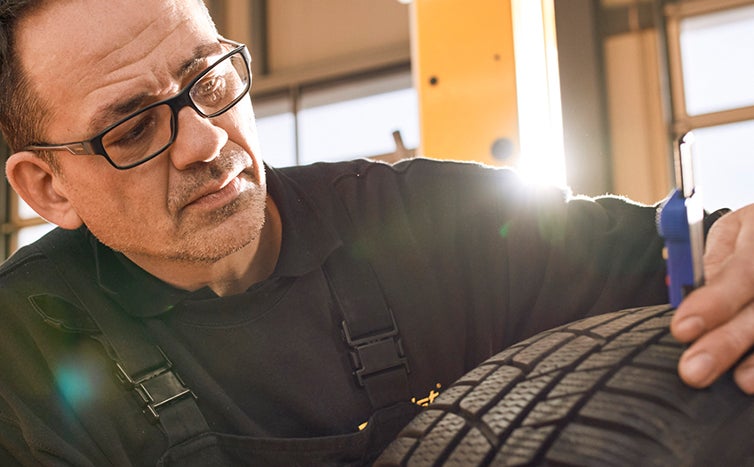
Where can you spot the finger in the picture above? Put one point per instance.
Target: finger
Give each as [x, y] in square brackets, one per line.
[730, 289]
[729, 240]
[686, 325]
[744, 375]
[716, 351]
[720, 243]
[731, 235]
[715, 303]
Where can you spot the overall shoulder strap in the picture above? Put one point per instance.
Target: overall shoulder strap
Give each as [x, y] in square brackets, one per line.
[369, 329]
[140, 365]
[369, 326]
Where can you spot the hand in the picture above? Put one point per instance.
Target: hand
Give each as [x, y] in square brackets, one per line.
[719, 317]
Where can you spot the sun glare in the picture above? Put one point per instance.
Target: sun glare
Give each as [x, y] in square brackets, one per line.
[540, 119]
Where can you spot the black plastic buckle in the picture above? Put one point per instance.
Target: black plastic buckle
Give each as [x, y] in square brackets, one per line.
[377, 353]
[156, 388]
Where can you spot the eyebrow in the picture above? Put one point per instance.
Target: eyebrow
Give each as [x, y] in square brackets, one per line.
[112, 112]
[196, 62]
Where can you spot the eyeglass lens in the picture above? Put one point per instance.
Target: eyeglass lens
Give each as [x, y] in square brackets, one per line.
[149, 132]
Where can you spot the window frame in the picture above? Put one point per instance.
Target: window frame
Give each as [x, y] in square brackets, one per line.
[681, 121]
[297, 97]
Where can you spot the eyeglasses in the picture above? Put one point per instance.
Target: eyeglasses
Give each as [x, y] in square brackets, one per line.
[146, 133]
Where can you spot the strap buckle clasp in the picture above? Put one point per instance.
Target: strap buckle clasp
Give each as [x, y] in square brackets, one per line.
[155, 388]
[376, 353]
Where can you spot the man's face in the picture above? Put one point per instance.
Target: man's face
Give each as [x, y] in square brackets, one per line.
[90, 60]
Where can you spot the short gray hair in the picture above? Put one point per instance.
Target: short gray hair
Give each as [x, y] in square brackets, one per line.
[21, 111]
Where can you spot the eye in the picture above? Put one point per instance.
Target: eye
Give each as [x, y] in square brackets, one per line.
[133, 131]
[210, 91]
[138, 136]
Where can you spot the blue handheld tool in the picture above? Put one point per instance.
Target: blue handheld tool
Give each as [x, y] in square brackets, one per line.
[680, 221]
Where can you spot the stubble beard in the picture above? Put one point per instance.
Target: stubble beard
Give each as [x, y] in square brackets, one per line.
[238, 224]
[214, 235]
[225, 230]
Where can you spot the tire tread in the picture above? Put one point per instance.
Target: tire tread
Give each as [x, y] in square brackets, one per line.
[601, 391]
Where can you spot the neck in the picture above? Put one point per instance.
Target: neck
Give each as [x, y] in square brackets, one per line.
[254, 263]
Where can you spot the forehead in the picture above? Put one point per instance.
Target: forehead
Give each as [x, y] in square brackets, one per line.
[78, 54]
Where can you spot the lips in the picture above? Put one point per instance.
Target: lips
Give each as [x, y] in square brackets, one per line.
[219, 197]
[214, 189]
[213, 184]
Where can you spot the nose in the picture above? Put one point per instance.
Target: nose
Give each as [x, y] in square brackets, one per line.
[197, 140]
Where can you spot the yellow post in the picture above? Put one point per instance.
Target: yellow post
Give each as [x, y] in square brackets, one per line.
[464, 74]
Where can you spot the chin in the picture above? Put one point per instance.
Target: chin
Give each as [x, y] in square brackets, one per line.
[218, 246]
[235, 232]
[202, 241]
[227, 231]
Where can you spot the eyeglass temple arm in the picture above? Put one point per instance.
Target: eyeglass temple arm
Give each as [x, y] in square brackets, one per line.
[77, 149]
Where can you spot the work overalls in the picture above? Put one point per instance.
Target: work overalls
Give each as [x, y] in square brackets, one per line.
[369, 330]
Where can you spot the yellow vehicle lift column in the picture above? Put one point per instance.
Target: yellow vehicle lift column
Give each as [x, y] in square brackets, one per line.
[464, 73]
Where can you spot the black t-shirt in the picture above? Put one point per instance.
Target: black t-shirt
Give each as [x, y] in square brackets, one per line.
[469, 260]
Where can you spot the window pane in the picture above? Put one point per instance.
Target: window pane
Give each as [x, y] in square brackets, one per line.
[276, 129]
[30, 234]
[718, 60]
[726, 165]
[276, 136]
[360, 127]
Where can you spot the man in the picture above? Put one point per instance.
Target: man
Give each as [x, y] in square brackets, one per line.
[193, 270]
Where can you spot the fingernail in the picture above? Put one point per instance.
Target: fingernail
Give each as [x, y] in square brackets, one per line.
[699, 368]
[690, 327]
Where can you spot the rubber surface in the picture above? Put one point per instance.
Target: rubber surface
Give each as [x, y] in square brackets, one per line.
[598, 392]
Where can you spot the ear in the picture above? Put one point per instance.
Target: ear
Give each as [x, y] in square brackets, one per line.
[36, 182]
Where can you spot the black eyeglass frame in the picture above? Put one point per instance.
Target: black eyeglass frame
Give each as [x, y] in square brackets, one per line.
[94, 146]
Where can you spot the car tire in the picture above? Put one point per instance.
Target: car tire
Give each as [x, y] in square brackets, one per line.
[602, 391]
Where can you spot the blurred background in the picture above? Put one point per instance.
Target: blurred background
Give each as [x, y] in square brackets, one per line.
[591, 94]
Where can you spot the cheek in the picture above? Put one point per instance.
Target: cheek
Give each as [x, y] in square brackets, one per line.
[124, 217]
[242, 127]
[116, 198]
[97, 201]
